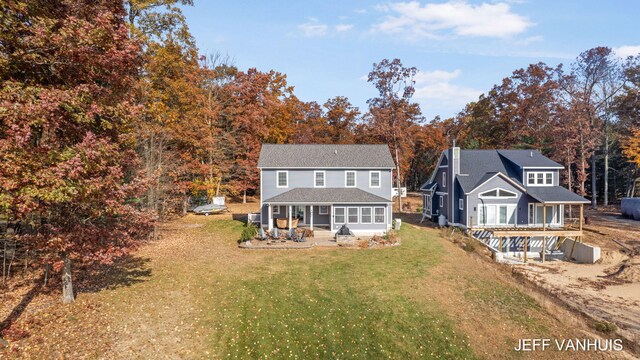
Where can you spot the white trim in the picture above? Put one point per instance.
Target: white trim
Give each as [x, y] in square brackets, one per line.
[355, 178]
[443, 166]
[278, 179]
[320, 209]
[515, 195]
[441, 193]
[324, 178]
[331, 218]
[357, 215]
[460, 204]
[383, 214]
[506, 178]
[543, 167]
[379, 178]
[274, 208]
[370, 215]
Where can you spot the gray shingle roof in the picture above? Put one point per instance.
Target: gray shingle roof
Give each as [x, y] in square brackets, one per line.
[557, 194]
[528, 158]
[327, 196]
[325, 156]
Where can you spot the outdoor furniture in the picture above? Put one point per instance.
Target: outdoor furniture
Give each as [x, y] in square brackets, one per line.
[303, 236]
[284, 223]
[291, 235]
[262, 235]
[275, 234]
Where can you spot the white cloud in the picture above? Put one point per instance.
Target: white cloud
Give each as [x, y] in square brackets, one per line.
[313, 28]
[627, 50]
[435, 88]
[344, 27]
[454, 17]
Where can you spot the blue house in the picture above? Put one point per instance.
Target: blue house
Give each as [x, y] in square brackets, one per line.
[327, 186]
[493, 191]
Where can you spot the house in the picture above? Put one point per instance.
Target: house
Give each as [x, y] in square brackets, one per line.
[497, 191]
[327, 186]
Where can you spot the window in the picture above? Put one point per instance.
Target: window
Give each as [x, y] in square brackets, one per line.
[426, 206]
[441, 201]
[379, 215]
[553, 214]
[276, 210]
[444, 179]
[374, 179]
[532, 213]
[319, 178]
[540, 178]
[350, 179]
[323, 210]
[365, 215]
[338, 215]
[497, 214]
[352, 215]
[283, 179]
[499, 193]
[461, 204]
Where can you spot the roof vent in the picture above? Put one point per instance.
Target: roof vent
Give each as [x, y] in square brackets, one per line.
[531, 155]
[335, 152]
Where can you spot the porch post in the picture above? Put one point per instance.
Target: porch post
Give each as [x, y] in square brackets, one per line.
[544, 230]
[581, 216]
[290, 220]
[331, 218]
[311, 217]
[525, 248]
[269, 218]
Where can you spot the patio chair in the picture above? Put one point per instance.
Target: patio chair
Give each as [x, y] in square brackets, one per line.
[291, 235]
[303, 237]
[275, 234]
[262, 235]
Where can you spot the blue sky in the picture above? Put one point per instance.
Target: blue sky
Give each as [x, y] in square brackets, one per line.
[461, 48]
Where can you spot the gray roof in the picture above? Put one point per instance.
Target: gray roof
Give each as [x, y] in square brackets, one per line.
[555, 194]
[325, 156]
[528, 158]
[327, 196]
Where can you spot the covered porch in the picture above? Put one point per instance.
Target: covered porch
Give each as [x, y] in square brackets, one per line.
[543, 238]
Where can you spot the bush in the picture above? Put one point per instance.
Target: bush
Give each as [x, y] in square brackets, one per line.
[606, 327]
[249, 231]
[469, 246]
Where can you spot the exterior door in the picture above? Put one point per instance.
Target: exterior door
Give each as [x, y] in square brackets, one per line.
[299, 212]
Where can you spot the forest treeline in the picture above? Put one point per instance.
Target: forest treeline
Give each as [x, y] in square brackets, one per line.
[112, 119]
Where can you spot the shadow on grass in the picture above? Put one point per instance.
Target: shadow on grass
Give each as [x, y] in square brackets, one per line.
[20, 307]
[125, 271]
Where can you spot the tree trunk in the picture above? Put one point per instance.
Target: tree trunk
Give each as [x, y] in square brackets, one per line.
[244, 196]
[605, 200]
[67, 285]
[398, 179]
[594, 188]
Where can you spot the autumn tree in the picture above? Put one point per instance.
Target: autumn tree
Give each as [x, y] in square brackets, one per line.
[392, 114]
[68, 173]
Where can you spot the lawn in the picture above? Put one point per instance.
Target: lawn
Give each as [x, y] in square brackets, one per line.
[194, 294]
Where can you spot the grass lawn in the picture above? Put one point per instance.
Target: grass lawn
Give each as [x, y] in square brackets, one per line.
[194, 294]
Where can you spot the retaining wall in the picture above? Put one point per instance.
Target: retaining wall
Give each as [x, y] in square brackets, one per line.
[582, 253]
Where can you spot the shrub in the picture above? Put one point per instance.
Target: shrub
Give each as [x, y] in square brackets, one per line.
[606, 327]
[469, 246]
[249, 231]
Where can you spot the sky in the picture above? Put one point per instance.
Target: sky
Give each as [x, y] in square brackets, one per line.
[460, 48]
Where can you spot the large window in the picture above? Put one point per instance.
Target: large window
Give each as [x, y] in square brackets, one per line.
[365, 215]
[319, 178]
[541, 178]
[497, 214]
[374, 179]
[338, 215]
[283, 179]
[352, 215]
[553, 214]
[499, 194]
[350, 179]
[379, 215]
